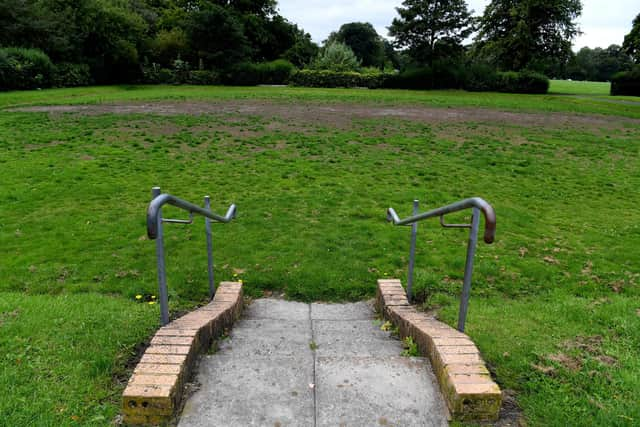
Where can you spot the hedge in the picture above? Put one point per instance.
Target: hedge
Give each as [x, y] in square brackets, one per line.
[332, 79]
[626, 83]
[250, 74]
[522, 82]
[24, 69]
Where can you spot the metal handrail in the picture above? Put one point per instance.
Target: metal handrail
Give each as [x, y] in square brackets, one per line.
[474, 202]
[155, 232]
[478, 205]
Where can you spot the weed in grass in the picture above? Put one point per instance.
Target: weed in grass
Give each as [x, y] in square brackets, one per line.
[410, 348]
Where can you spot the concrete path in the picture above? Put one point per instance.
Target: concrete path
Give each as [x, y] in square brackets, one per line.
[295, 364]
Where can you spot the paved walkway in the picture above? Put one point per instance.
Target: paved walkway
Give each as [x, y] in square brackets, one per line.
[295, 364]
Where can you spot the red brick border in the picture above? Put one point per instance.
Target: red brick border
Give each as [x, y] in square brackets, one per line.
[155, 389]
[464, 379]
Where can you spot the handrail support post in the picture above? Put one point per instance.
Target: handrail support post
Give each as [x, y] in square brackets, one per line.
[162, 273]
[207, 224]
[468, 269]
[412, 252]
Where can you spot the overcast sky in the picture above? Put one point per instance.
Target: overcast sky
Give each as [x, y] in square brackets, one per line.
[602, 22]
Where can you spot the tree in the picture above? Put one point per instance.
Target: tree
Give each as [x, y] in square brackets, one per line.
[364, 41]
[303, 50]
[534, 34]
[631, 43]
[336, 56]
[599, 64]
[431, 29]
[216, 34]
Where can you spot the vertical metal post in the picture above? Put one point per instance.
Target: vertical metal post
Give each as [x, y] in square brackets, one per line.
[468, 269]
[412, 252]
[207, 225]
[162, 273]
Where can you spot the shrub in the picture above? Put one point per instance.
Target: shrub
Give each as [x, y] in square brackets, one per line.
[522, 82]
[413, 78]
[331, 79]
[243, 74]
[443, 75]
[71, 75]
[24, 69]
[626, 83]
[154, 74]
[337, 57]
[481, 77]
[275, 72]
[248, 74]
[203, 77]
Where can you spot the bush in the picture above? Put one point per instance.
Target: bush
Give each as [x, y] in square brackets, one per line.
[71, 75]
[24, 69]
[626, 83]
[332, 79]
[481, 78]
[443, 75]
[203, 77]
[243, 74]
[276, 72]
[248, 74]
[337, 57]
[522, 82]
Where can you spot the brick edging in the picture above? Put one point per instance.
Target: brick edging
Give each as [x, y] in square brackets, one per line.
[464, 380]
[155, 389]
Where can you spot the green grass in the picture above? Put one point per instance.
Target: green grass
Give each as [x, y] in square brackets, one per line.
[567, 87]
[311, 222]
[442, 98]
[63, 357]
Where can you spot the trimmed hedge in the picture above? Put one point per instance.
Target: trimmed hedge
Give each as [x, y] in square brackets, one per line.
[333, 79]
[248, 74]
[626, 83]
[483, 78]
[24, 69]
[440, 76]
[156, 75]
[523, 82]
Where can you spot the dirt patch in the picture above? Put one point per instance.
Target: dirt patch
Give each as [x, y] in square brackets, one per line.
[342, 115]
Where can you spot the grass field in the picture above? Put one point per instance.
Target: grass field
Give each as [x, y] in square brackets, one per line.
[555, 303]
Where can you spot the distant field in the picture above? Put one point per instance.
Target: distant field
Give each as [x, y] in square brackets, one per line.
[555, 304]
[568, 87]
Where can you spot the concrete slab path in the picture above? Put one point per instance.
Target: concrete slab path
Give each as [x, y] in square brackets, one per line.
[295, 364]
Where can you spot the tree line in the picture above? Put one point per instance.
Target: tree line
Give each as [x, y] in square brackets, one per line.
[114, 41]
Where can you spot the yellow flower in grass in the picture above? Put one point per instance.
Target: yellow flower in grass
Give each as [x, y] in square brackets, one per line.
[151, 302]
[153, 297]
[138, 297]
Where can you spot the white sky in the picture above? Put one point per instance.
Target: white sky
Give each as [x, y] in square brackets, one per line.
[602, 22]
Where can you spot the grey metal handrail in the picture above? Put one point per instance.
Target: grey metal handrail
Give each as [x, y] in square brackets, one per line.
[155, 232]
[477, 205]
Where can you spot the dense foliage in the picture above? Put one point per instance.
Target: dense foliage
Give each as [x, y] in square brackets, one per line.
[364, 41]
[631, 43]
[336, 56]
[598, 64]
[431, 29]
[528, 34]
[331, 79]
[118, 39]
[626, 83]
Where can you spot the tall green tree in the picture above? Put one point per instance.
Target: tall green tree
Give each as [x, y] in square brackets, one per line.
[631, 43]
[535, 34]
[216, 35]
[431, 29]
[364, 41]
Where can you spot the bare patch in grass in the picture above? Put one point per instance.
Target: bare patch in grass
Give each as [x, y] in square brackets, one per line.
[342, 115]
